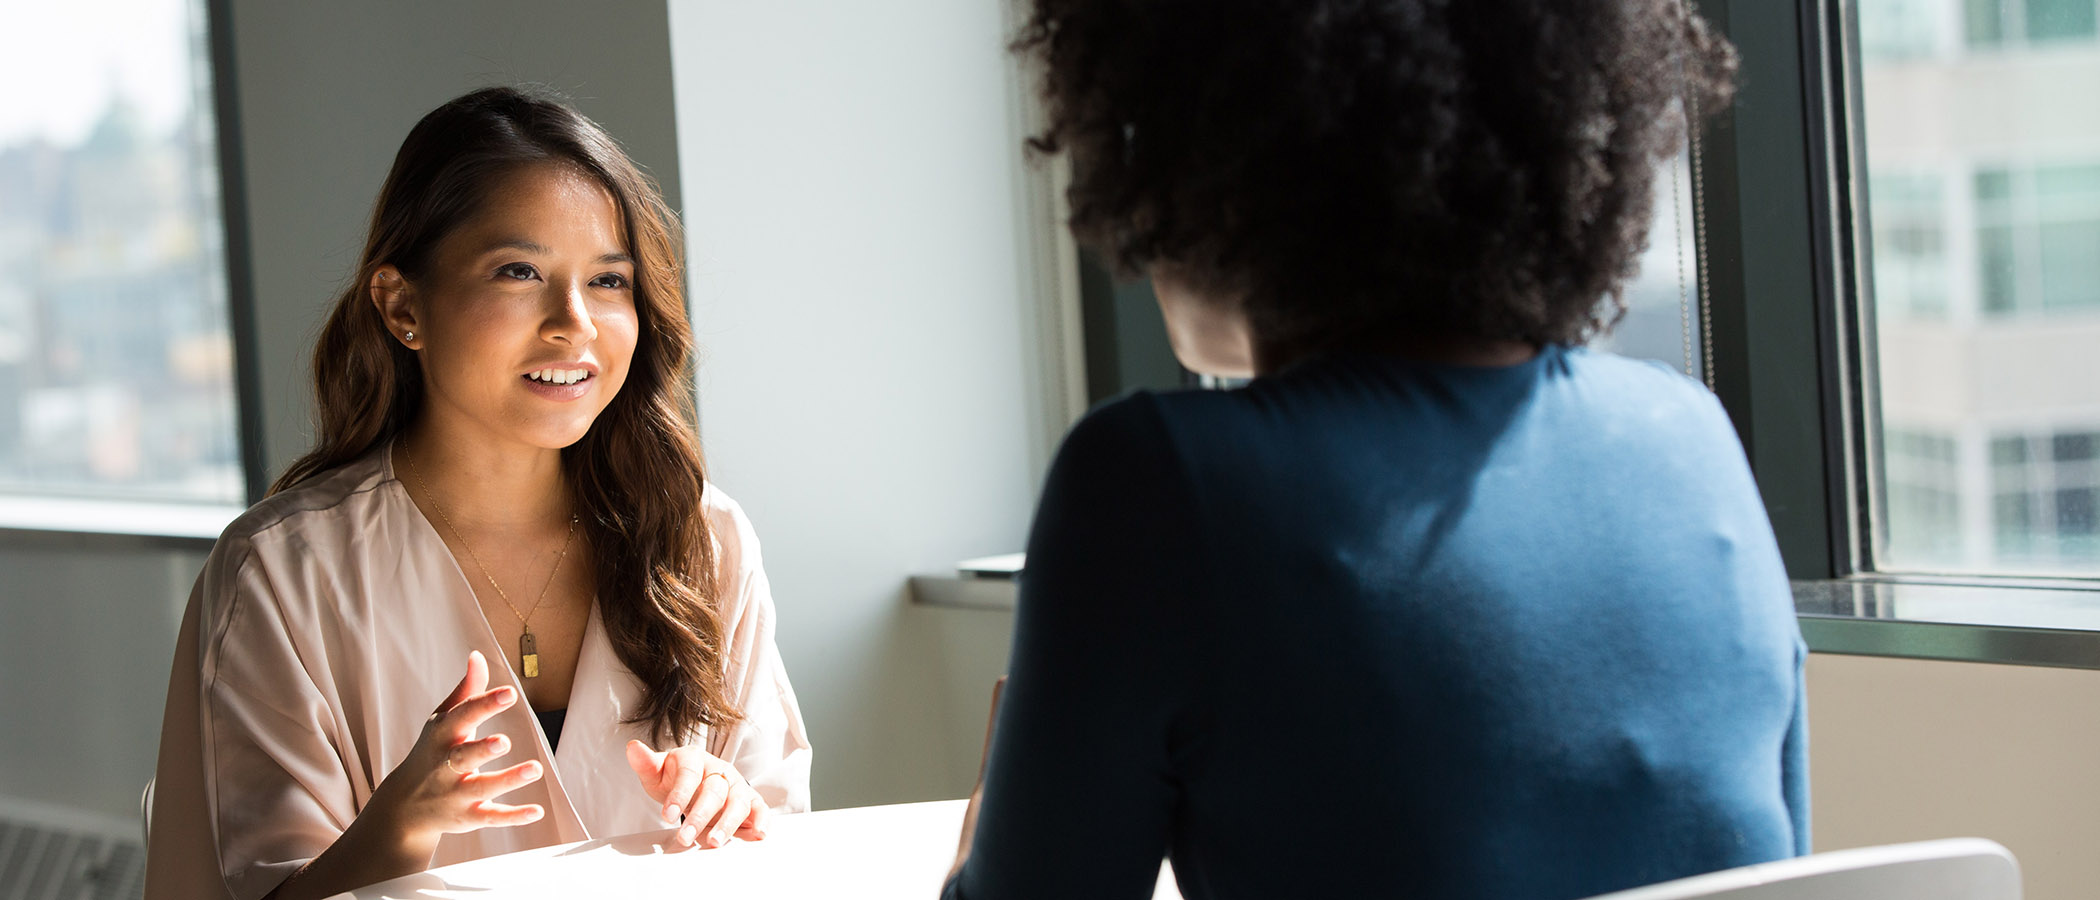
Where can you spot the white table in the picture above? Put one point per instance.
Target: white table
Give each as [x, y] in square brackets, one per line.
[871, 852]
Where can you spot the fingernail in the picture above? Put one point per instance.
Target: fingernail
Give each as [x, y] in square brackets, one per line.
[671, 815]
[716, 838]
[688, 835]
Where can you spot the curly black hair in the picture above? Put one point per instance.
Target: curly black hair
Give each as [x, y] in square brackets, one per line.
[1346, 168]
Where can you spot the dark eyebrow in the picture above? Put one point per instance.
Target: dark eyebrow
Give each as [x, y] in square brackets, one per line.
[518, 243]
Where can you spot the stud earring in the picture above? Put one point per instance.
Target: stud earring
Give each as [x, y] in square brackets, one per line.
[407, 336]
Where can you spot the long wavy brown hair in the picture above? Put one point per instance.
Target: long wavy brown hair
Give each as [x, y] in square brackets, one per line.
[637, 474]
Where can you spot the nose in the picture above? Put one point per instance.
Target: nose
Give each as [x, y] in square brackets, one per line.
[569, 320]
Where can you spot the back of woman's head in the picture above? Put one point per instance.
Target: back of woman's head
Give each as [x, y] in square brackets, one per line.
[636, 475]
[1346, 168]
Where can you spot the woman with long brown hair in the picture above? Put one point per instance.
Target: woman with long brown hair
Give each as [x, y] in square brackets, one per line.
[506, 483]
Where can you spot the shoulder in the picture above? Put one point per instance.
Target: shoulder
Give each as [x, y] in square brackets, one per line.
[269, 561]
[1640, 384]
[1121, 468]
[735, 540]
[324, 494]
[1123, 447]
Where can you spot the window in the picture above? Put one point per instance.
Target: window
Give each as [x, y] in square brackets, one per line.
[1997, 23]
[1923, 478]
[2045, 492]
[2037, 228]
[1896, 29]
[1982, 195]
[114, 319]
[1910, 245]
[1662, 300]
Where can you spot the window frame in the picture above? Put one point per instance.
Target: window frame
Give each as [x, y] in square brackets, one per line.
[1796, 370]
[240, 311]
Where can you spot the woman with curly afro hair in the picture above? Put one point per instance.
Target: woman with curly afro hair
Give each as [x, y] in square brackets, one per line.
[1441, 604]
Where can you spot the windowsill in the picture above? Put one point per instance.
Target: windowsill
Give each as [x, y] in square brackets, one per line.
[35, 518]
[2029, 623]
[964, 592]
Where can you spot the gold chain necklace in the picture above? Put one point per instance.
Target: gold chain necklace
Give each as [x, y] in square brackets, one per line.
[528, 646]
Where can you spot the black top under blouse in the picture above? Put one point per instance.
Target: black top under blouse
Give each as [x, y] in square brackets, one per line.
[550, 722]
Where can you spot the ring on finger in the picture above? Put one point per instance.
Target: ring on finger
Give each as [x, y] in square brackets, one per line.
[717, 774]
[451, 762]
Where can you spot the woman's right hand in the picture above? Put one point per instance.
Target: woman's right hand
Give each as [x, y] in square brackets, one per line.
[439, 789]
[436, 791]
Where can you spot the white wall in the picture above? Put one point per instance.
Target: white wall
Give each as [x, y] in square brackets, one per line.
[872, 389]
[1907, 750]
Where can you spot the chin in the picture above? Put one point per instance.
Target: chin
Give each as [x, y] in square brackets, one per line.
[556, 436]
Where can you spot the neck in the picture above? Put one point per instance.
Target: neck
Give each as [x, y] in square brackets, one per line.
[480, 484]
[1270, 358]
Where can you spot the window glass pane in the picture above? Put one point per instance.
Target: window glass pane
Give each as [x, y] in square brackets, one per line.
[2008, 450]
[1910, 252]
[1993, 193]
[1985, 21]
[2073, 189]
[2074, 512]
[113, 318]
[1983, 204]
[1996, 265]
[1898, 28]
[1662, 299]
[1923, 490]
[2059, 19]
[2070, 264]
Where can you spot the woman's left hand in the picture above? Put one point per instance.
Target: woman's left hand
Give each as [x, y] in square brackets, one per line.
[715, 800]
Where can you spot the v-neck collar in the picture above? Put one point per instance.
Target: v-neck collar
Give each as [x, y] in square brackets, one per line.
[465, 605]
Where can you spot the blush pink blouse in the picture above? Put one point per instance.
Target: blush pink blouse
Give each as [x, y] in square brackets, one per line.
[329, 623]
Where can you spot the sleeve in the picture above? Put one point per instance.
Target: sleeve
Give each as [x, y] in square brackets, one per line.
[769, 746]
[1794, 759]
[1079, 792]
[259, 782]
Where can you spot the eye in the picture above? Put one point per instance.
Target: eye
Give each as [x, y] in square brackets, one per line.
[518, 272]
[612, 280]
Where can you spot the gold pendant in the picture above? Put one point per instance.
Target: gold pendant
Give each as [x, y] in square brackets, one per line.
[529, 654]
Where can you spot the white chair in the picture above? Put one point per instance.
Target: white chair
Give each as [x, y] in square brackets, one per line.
[1952, 869]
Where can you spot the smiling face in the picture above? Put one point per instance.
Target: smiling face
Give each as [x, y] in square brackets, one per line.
[525, 319]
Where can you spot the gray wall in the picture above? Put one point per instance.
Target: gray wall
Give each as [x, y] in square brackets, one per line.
[327, 92]
[86, 631]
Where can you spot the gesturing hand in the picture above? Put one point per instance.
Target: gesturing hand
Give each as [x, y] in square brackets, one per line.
[716, 801]
[439, 789]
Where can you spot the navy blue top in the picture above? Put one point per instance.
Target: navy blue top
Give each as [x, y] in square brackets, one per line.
[1372, 628]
